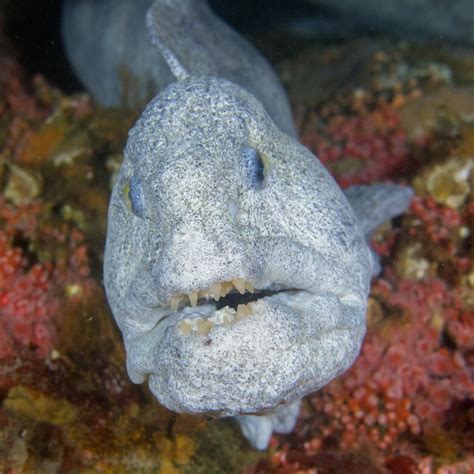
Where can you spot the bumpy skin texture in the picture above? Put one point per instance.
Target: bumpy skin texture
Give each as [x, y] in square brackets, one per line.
[203, 225]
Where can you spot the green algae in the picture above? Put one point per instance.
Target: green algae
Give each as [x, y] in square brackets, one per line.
[36, 406]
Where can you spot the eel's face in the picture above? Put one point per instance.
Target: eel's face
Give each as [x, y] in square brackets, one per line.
[234, 266]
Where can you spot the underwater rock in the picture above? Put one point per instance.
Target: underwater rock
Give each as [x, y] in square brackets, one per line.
[449, 183]
[358, 147]
[438, 110]
[21, 187]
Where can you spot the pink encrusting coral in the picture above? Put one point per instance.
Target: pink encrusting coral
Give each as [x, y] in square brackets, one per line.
[436, 222]
[359, 147]
[403, 381]
[27, 302]
[30, 289]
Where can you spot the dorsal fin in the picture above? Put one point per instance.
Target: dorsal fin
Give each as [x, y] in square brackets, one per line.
[152, 23]
[377, 203]
[191, 38]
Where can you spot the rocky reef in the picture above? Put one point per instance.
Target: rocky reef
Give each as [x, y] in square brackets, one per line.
[403, 113]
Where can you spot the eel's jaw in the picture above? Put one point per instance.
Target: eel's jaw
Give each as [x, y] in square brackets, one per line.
[254, 358]
[293, 343]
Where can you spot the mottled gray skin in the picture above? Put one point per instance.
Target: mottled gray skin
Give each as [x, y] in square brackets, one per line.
[202, 226]
[202, 223]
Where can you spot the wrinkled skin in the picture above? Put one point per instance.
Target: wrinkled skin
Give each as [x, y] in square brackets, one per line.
[202, 223]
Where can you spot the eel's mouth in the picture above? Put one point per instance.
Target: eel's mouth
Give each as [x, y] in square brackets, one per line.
[222, 304]
[241, 348]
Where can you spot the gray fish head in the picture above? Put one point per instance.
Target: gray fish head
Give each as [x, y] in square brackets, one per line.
[234, 265]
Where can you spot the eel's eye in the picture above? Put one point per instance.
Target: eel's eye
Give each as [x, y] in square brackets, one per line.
[133, 195]
[252, 165]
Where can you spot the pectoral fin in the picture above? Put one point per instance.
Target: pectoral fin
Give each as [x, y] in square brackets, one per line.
[377, 203]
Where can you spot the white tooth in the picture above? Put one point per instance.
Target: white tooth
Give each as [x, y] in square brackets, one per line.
[174, 302]
[225, 288]
[193, 298]
[185, 328]
[203, 326]
[205, 294]
[242, 312]
[216, 291]
[249, 287]
[228, 315]
[240, 285]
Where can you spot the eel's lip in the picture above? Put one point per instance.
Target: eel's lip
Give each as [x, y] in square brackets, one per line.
[221, 304]
[214, 360]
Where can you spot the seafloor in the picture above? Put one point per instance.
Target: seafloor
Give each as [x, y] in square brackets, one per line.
[372, 110]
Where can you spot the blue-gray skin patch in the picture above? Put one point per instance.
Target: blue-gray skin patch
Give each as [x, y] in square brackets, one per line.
[238, 274]
[135, 194]
[252, 167]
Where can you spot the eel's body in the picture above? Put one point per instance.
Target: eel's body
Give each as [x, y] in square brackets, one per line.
[235, 267]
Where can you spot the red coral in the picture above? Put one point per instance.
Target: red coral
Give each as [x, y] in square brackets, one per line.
[434, 221]
[364, 147]
[30, 290]
[403, 382]
[27, 301]
[401, 465]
